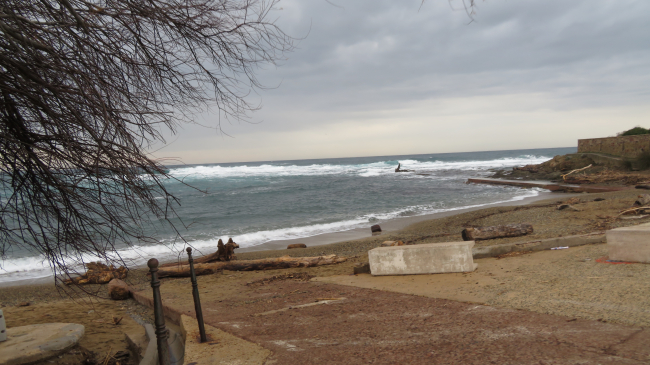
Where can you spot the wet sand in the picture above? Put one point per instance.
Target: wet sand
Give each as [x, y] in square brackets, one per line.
[391, 225]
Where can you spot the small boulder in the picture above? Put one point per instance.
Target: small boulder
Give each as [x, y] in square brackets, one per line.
[642, 201]
[375, 228]
[572, 201]
[296, 245]
[599, 199]
[118, 289]
[567, 206]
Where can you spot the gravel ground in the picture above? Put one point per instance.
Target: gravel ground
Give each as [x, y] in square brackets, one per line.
[574, 284]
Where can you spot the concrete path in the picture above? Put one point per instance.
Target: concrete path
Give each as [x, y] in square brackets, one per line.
[361, 326]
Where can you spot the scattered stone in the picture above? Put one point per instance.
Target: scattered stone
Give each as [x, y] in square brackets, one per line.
[599, 199]
[567, 206]
[118, 290]
[38, 342]
[296, 245]
[375, 228]
[642, 201]
[572, 201]
[362, 268]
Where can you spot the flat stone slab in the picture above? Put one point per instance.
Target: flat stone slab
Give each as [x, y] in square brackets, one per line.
[221, 347]
[37, 342]
[428, 258]
[629, 243]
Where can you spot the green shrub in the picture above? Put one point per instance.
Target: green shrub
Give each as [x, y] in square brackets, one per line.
[635, 131]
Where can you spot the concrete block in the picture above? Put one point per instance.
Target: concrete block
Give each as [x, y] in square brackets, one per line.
[629, 243]
[428, 258]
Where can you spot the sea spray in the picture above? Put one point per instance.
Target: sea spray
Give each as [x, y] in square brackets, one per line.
[261, 202]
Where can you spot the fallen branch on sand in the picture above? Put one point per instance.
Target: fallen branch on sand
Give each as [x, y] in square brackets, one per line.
[284, 262]
[487, 233]
[635, 210]
[576, 170]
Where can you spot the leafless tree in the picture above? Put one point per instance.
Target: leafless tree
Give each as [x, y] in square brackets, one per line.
[87, 87]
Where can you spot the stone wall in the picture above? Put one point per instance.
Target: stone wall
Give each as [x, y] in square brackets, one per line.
[624, 146]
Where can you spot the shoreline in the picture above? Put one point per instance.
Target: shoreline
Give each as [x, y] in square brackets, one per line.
[389, 226]
[324, 239]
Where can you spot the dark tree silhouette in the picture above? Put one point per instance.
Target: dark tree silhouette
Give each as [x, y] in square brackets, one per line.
[87, 87]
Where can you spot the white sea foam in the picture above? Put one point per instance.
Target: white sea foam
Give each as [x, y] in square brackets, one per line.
[366, 170]
[17, 269]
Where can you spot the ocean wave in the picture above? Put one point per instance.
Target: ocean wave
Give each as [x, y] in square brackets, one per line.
[16, 269]
[365, 170]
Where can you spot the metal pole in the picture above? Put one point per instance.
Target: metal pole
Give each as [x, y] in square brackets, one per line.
[195, 294]
[161, 332]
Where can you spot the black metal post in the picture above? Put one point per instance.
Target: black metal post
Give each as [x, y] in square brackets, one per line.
[161, 332]
[195, 294]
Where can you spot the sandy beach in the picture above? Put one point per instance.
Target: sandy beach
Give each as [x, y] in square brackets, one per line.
[567, 283]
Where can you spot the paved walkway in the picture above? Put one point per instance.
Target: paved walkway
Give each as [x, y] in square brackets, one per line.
[380, 327]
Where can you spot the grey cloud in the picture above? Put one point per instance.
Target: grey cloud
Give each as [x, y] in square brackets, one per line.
[377, 55]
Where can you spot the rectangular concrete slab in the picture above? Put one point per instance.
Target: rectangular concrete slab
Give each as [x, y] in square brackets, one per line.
[629, 243]
[428, 258]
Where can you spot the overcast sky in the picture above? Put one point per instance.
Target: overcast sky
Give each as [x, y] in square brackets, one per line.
[379, 77]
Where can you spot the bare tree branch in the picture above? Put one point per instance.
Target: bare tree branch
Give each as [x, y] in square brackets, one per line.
[86, 87]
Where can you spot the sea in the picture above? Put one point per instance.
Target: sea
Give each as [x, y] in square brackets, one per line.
[259, 203]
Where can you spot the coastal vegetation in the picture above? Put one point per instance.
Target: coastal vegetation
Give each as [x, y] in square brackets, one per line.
[634, 131]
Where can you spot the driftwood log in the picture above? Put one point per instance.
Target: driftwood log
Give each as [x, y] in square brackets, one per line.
[284, 262]
[486, 233]
[98, 273]
[224, 253]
